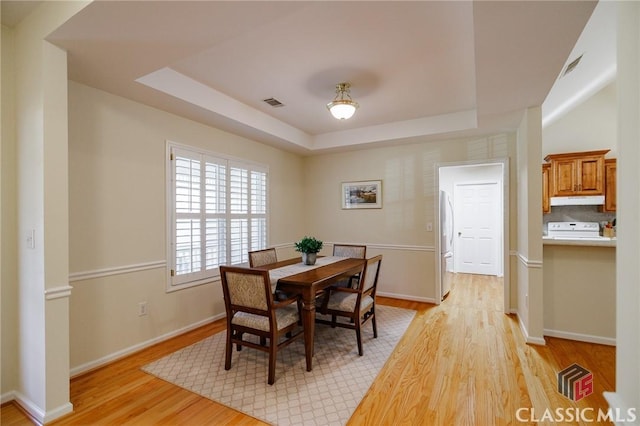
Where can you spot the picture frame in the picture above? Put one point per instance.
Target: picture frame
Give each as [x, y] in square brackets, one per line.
[366, 194]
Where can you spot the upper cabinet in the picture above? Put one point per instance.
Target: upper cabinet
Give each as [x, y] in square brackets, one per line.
[610, 195]
[577, 173]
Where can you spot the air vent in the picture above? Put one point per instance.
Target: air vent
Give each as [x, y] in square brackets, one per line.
[572, 65]
[273, 102]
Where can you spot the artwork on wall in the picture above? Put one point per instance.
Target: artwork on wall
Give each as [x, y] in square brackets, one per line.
[362, 195]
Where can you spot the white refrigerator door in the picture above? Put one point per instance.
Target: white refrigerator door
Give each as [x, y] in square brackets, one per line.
[447, 273]
[446, 217]
[446, 243]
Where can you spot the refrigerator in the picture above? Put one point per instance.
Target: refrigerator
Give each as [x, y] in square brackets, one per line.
[446, 243]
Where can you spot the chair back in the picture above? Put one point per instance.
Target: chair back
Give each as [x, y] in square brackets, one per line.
[247, 290]
[262, 257]
[369, 280]
[350, 250]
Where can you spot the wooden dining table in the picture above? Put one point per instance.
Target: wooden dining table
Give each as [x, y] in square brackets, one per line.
[307, 284]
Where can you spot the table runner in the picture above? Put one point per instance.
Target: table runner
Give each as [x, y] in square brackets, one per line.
[285, 271]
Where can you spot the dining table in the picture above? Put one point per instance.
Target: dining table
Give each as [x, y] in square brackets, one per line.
[294, 277]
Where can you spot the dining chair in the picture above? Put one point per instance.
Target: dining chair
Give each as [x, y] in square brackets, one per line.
[262, 257]
[356, 304]
[349, 250]
[251, 309]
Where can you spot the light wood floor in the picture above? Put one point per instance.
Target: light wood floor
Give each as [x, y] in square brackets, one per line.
[463, 362]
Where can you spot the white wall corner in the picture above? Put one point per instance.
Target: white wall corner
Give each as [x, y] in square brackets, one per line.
[37, 413]
[527, 338]
[621, 410]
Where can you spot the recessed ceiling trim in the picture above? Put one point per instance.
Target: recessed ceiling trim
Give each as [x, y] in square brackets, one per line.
[426, 126]
[594, 86]
[182, 87]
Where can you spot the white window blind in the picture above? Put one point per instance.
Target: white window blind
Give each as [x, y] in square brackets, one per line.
[217, 213]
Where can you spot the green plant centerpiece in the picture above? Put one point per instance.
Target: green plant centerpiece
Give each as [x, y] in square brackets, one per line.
[309, 247]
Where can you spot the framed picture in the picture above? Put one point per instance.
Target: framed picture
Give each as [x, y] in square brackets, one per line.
[362, 195]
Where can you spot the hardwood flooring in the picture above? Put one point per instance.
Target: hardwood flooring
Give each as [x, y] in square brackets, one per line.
[463, 362]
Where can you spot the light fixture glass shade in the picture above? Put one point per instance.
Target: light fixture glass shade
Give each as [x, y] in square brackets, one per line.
[342, 107]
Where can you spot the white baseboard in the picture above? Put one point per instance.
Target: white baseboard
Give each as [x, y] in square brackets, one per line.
[407, 297]
[77, 370]
[34, 410]
[44, 417]
[580, 337]
[7, 396]
[529, 339]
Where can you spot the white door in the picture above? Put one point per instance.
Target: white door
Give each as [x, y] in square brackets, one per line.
[477, 210]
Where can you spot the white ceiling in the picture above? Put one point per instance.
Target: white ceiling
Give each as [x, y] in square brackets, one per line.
[421, 70]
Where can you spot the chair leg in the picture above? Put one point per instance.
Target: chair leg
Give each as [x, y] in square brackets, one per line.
[228, 350]
[273, 348]
[333, 321]
[373, 323]
[359, 336]
[238, 345]
[263, 341]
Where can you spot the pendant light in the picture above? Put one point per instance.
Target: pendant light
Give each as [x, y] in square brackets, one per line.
[342, 107]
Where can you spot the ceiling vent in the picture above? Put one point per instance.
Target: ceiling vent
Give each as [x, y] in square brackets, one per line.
[273, 102]
[572, 65]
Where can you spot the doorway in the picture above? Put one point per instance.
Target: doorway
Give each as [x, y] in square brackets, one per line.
[479, 195]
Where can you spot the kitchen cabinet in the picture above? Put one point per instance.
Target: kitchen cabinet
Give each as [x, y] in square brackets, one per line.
[577, 173]
[546, 205]
[610, 195]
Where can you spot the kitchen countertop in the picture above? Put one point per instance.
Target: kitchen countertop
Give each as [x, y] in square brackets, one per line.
[588, 242]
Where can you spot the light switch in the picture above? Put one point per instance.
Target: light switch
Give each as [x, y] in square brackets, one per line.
[430, 227]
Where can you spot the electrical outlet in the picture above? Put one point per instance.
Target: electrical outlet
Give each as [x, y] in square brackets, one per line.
[142, 309]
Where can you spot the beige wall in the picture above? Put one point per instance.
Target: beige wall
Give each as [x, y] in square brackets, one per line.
[580, 293]
[399, 229]
[117, 221]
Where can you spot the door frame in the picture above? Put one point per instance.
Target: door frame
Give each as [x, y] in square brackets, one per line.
[504, 162]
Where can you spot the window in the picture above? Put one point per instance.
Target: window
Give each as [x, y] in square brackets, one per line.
[217, 213]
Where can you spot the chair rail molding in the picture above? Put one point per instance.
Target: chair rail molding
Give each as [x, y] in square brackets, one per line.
[116, 270]
[58, 292]
[534, 264]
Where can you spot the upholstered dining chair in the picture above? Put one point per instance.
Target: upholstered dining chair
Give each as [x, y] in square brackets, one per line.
[350, 250]
[356, 304]
[251, 309]
[262, 257]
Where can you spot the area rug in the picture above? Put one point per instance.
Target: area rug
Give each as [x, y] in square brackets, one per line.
[328, 395]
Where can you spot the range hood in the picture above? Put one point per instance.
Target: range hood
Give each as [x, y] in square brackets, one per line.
[578, 200]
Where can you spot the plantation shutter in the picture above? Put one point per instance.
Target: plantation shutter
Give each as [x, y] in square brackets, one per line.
[218, 213]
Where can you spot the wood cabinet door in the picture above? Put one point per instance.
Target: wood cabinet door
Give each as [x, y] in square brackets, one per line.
[563, 178]
[610, 194]
[590, 175]
[546, 205]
